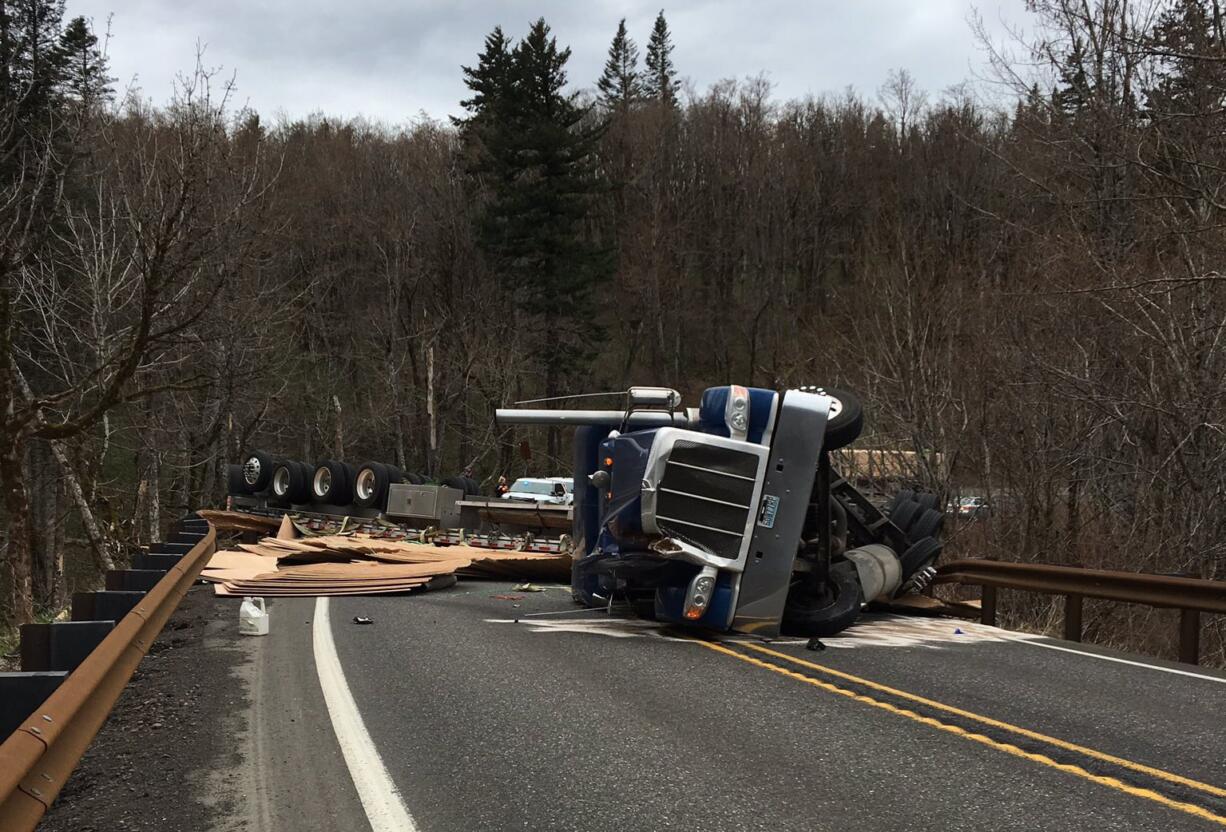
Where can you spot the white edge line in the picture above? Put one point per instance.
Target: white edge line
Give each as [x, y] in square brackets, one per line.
[1035, 643]
[380, 799]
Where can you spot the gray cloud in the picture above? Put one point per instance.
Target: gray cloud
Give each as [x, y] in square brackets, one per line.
[394, 60]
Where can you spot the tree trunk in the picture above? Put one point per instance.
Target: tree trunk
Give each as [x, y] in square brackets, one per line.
[431, 414]
[44, 516]
[20, 609]
[97, 538]
[155, 504]
[339, 441]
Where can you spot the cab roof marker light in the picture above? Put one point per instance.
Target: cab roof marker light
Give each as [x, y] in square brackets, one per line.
[736, 412]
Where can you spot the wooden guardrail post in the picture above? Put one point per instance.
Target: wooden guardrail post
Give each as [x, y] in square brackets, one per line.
[1072, 617]
[987, 606]
[1189, 636]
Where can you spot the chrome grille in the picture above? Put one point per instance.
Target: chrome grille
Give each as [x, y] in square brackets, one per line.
[705, 496]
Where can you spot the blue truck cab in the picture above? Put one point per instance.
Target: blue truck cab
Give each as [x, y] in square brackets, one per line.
[722, 516]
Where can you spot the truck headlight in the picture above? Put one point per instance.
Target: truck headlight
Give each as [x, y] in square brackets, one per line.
[698, 597]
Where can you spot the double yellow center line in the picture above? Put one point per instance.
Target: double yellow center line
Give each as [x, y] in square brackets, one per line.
[1008, 748]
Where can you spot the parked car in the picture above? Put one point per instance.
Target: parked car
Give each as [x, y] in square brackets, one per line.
[558, 491]
[970, 508]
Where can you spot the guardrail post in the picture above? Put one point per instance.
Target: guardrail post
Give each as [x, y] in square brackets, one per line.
[987, 606]
[1072, 617]
[1189, 636]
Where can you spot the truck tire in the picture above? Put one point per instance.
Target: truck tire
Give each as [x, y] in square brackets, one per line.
[236, 485]
[928, 524]
[415, 478]
[370, 484]
[906, 495]
[458, 483]
[904, 515]
[291, 482]
[806, 615]
[257, 470]
[846, 418]
[918, 555]
[927, 500]
[473, 488]
[331, 483]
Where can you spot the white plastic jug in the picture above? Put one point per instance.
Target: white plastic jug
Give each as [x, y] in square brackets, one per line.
[253, 617]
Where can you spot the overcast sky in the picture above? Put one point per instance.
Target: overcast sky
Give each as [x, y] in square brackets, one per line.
[394, 59]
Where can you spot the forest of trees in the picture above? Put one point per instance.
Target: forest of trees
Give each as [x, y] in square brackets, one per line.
[1023, 276]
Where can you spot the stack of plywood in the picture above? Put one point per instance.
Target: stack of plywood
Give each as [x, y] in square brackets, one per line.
[360, 565]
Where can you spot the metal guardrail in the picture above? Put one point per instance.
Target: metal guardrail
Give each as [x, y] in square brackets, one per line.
[1191, 596]
[37, 759]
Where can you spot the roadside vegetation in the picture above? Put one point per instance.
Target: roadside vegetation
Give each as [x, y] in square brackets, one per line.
[1022, 277]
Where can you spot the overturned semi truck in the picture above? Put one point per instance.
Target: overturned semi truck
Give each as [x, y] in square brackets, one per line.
[729, 515]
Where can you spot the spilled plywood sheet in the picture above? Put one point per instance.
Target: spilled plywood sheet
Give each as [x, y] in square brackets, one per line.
[357, 564]
[237, 521]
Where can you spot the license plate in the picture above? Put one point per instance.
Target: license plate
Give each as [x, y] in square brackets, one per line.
[770, 507]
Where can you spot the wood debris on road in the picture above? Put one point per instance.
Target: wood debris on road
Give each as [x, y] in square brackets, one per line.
[361, 565]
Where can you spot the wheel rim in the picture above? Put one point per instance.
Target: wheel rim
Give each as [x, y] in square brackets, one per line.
[323, 482]
[251, 470]
[836, 406]
[365, 486]
[280, 482]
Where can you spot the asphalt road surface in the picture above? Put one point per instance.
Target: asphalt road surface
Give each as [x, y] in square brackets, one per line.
[487, 712]
[475, 709]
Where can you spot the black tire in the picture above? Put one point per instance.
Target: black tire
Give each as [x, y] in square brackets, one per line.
[846, 419]
[456, 482]
[805, 615]
[291, 482]
[331, 483]
[927, 500]
[473, 488]
[395, 474]
[918, 555]
[370, 484]
[257, 471]
[904, 515]
[415, 478]
[906, 495]
[236, 485]
[304, 495]
[928, 524]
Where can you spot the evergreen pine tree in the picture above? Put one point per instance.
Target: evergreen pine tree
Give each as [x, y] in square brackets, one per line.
[660, 81]
[1073, 91]
[1192, 72]
[34, 65]
[538, 145]
[83, 67]
[489, 80]
[619, 86]
[30, 88]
